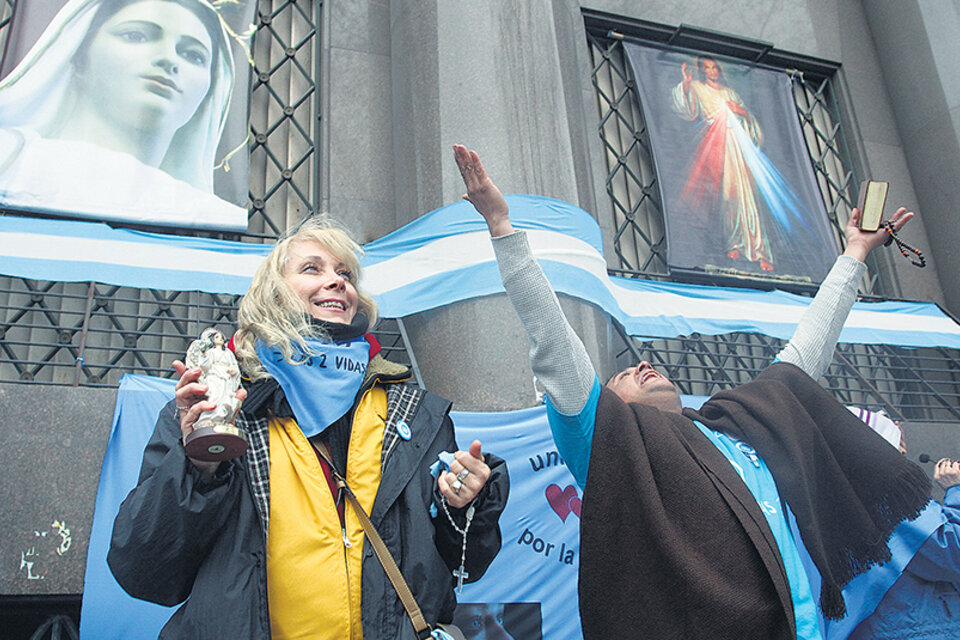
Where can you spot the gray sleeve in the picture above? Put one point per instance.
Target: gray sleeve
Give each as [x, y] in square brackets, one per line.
[811, 347]
[557, 356]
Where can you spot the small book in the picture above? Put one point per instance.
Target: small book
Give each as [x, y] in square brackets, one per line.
[873, 195]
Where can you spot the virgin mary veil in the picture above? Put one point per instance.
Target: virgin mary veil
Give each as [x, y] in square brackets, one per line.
[39, 90]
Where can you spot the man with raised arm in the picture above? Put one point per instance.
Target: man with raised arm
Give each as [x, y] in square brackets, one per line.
[685, 531]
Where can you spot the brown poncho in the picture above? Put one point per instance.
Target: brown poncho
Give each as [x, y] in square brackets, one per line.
[674, 545]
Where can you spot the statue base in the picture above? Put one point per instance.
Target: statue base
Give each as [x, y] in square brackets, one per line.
[216, 443]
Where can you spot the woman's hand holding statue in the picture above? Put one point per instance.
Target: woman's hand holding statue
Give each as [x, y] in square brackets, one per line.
[191, 396]
[466, 477]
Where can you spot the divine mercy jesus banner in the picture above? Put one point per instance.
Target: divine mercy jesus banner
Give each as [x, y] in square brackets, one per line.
[738, 191]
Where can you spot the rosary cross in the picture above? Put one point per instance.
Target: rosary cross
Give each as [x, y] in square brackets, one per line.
[461, 574]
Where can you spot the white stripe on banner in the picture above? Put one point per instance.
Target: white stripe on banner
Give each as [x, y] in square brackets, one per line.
[119, 252]
[645, 308]
[444, 257]
[67, 251]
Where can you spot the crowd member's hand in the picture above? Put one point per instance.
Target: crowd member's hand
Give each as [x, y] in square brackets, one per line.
[860, 243]
[903, 439]
[947, 473]
[191, 397]
[466, 477]
[482, 192]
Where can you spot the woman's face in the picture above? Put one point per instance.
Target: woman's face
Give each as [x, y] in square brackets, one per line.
[321, 281]
[149, 65]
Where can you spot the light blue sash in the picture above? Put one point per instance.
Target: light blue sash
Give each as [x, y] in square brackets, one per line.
[324, 387]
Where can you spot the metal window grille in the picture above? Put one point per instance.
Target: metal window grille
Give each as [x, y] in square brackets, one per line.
[284, 116]
[907, 383]
[92, 333]
[639, 239]
[6, 13]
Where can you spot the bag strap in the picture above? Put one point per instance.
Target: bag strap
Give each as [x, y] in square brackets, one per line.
[420, 625]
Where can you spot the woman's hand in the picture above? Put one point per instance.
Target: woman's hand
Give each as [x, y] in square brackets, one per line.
[861, 243]
[947, 473]
[191, 397]
[468, 473]
[482, 193]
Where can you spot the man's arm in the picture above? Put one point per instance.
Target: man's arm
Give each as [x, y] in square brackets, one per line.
[811, 347]
[557, 356]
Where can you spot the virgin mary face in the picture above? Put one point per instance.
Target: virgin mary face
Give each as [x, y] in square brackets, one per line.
[149, 65]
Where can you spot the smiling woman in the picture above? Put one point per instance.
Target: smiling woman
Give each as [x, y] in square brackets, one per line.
[313, 378]
[322, 281]
[125, 102]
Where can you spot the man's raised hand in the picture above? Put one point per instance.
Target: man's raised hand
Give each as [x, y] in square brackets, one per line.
[860, 243]
[482, 193]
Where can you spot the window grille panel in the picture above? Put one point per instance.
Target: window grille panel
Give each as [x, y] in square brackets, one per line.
[639, 237]
[6, 12]
[92, 334]
[284, 116]
[909, 384]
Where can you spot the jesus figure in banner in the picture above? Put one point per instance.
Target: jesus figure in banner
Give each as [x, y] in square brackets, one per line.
[729, 167]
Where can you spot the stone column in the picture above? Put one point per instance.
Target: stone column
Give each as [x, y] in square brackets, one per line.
[490, 75]
[917, 49]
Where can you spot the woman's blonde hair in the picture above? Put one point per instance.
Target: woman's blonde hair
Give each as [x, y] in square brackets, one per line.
[271, 311]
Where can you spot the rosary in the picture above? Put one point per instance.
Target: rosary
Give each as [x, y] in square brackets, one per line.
[904, 248]
[460, 573]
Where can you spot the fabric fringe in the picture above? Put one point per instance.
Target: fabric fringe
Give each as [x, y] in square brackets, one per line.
[905, 499]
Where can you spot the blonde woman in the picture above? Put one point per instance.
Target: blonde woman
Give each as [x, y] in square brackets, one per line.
[263, 545]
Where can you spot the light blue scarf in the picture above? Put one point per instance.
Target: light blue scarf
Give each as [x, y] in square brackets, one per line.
[324, 387]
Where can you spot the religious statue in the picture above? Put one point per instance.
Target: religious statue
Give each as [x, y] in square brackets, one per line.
[214, 436]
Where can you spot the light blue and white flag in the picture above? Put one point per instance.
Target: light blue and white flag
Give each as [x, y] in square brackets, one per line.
[68, 251]
[444, 257]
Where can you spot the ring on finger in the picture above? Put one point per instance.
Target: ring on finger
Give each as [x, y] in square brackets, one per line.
[456, 485]
[463, 475]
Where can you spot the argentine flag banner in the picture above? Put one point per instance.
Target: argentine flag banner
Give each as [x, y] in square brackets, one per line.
[445, 256]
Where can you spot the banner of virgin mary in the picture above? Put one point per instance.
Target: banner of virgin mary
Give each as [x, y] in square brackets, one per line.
[129, 112]
[738, 190]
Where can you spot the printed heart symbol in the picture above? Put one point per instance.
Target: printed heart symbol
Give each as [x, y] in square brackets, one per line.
[563, 501]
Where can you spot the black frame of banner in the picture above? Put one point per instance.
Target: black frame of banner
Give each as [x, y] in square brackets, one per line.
[917, 384]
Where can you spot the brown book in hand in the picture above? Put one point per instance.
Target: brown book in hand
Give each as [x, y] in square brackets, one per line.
[873, 195]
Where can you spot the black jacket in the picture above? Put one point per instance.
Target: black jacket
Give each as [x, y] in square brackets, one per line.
[177, 535]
